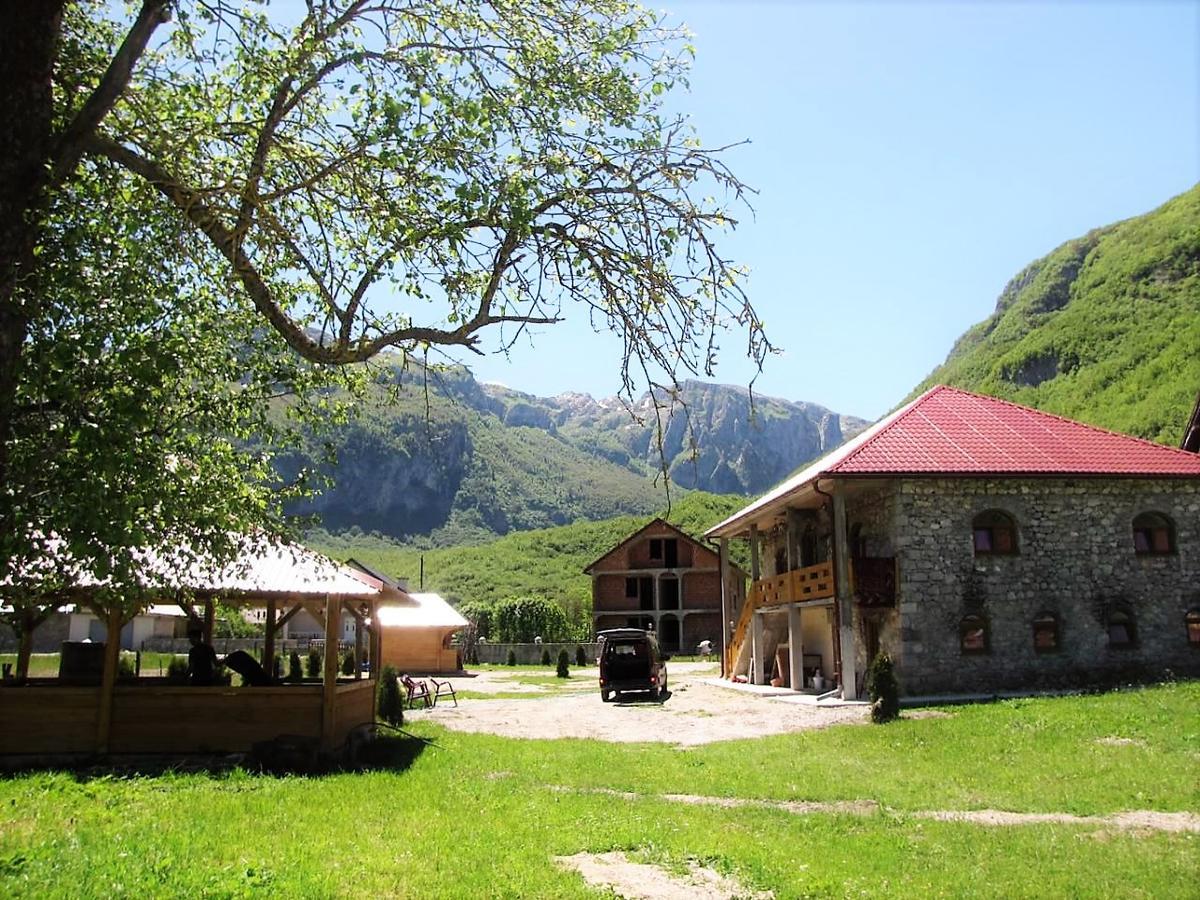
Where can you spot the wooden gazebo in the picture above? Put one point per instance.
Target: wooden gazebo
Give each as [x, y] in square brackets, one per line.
[43, 716]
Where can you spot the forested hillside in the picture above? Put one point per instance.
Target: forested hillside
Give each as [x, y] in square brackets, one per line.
[1105, 329]
[546, 562]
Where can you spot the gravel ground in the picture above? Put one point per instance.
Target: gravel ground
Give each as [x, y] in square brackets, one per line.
[694, 713]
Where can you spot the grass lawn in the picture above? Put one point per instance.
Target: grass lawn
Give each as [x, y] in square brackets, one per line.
[45, 665]
[465, 815]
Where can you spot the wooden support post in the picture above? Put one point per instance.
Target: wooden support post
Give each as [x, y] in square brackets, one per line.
[795, 647]
[376, 641]
[758, 646]
[755, 568]
[726, 604]
[845, 596]
[108, 681]
[269, 639]
[210, 617]
[359, 626]
[333, 625]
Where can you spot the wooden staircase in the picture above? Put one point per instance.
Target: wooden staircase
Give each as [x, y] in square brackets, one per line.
[809, 583]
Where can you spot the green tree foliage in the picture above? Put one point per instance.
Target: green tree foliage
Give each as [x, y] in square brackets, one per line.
[493, 164]
[295, 671]
[348, 663]
[313, 664]
[391, 701]
[1104, 329]
[563, 669]
[883, 689]
[479, 613]
[520, 619]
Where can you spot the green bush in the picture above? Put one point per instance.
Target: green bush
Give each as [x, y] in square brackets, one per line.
[546, 658]
[519, 620]
[564, 670]
[883, 689]
[295, 671]
[314, 664]
[512, 658]
[177, 670]
[277, 667]
[391, 702]
[348, 663]
[580, 656]
[125, 668]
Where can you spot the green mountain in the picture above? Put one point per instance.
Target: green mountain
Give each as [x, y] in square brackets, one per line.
[1106, 329]
[548, 562]
[436, 458]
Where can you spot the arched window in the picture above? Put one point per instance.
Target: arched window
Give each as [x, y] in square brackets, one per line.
[995, 533]
[1153, 534]
[1192, 621]
[973, 634]
[1122, 630]
[1045, 632]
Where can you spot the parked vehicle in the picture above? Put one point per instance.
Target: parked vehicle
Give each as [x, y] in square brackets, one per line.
[631, 662]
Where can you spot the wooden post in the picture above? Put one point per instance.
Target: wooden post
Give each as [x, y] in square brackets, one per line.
[755, 569]
[358, 646]
[758, 647]
[795, 647]
[723, 556]
[845, 597]
[333, 625]
[376, 641]
[269, 640]
[108, 681]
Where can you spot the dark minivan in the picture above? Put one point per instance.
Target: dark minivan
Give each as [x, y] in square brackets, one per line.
[630, 661]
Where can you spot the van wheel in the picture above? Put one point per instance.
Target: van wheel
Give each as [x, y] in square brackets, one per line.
[605, 696]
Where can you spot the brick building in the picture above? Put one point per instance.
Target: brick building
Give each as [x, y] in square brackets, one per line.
[662, 579]
[984, 545]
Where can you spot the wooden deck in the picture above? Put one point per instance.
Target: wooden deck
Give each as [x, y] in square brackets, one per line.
[49, 718]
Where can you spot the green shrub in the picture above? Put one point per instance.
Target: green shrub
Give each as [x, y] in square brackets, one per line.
[564, 670]
[314, 664]
[125, 668]
[883, 689]
[580, 656]
[277, 667]
[512, 658]
[177, 670]
[295, 672]
[348, 663]
[546, 657]
[391, 701]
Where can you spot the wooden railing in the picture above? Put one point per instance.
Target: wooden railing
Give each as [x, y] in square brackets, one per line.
[873, 580]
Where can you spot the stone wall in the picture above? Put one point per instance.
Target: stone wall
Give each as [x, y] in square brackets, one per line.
[1075, 559]
[531, 654]
[47, 637]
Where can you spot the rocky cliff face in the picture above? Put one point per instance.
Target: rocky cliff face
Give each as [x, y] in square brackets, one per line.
[452, 460]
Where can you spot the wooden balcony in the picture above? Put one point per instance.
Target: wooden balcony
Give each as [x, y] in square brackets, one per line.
[873, 581]
[809, 583]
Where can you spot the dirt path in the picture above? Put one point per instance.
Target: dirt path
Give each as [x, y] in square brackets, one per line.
[1128, 820]
[640, 881]
[694, 713]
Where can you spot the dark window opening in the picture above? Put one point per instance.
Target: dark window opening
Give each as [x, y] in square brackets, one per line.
[668, 593]
[656, 548]
[972, 634]
[1122, 631]
[670, 553]
[1045, 633]
[1153, 535]
[858, 542]
[994, 534]
[631, 590]
[808, 547]
[1192, 622]
[646, 593]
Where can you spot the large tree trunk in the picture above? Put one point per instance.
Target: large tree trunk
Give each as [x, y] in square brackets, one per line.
[29, 32]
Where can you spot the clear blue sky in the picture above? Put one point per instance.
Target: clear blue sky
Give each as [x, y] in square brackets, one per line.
[910, 158]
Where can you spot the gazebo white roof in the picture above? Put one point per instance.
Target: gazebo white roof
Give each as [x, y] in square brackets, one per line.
[426, 611]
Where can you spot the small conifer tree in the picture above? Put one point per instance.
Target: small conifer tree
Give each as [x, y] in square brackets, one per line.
[348, 663]
[391, 702]
[314, 664]
[295, 672]
[546, 661]
[580, 656]
[883, 689]
[512, 658]
[564, 670]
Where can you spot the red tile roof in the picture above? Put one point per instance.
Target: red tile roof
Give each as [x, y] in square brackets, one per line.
[947, 431]
[951, 431]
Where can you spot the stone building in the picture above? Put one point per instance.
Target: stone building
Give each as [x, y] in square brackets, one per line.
[986, 546]
[665, 580]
